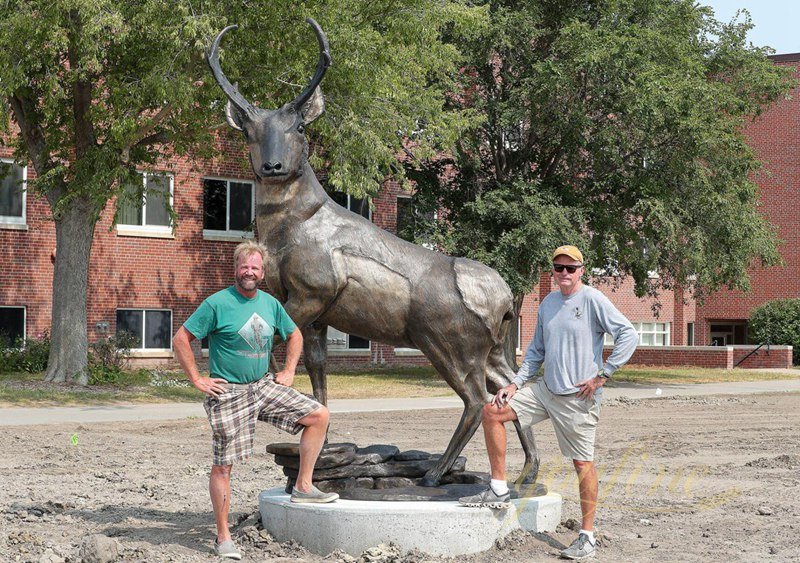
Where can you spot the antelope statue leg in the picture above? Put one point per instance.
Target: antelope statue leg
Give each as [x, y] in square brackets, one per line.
[467, 378]
[315, 356]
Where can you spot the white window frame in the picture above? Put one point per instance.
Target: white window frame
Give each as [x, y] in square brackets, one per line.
[410, 197]
[228, 234]
[652, 329]
[347, 349]
[519, 334]
[12, 221]
[158, 231]
[404, 196]
[145, 351]
[24, 319]
[349, 202]
[369, 212]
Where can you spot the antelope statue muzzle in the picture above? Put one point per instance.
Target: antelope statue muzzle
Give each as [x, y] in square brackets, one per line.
[329, 266]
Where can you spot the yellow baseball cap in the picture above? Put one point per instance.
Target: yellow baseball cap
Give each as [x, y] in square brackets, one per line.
[568, 250]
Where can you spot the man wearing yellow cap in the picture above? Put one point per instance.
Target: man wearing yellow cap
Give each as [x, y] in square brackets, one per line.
[568, 342]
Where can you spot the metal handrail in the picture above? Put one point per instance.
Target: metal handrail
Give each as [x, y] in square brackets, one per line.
[753, 352]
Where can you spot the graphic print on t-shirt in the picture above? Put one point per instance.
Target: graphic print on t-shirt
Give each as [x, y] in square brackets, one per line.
[258, 334]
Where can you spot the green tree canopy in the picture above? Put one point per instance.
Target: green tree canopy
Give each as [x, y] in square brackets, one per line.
[97, 90]
[612, 124]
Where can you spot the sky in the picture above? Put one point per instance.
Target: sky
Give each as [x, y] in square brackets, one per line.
[777, 22]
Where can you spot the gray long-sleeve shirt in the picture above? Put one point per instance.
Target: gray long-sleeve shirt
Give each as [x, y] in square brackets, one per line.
[569, 340]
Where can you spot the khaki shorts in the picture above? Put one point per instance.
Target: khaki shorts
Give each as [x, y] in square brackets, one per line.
[574, 419]
[233, 415]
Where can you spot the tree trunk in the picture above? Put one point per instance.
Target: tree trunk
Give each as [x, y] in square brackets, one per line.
[510, 345]
[69, 343]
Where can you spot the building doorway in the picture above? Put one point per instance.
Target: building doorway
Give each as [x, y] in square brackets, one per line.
[726, 333]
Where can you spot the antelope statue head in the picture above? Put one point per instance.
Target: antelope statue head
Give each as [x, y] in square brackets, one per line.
[276, 138]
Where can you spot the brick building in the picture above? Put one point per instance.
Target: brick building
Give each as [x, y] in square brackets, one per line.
[775, 136]
[146, 277]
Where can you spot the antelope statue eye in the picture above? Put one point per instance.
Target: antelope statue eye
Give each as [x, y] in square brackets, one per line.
[301, 128]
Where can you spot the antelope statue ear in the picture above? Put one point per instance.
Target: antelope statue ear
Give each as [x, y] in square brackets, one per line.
[232, 115]
[314, 107]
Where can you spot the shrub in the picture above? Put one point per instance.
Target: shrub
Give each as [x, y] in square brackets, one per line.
[108, 358]
[29, 356]
[778, 322]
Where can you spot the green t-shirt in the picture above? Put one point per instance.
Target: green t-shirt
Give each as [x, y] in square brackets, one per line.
[240, 332]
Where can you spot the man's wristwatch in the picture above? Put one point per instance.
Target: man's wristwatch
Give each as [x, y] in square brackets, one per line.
[603, 375]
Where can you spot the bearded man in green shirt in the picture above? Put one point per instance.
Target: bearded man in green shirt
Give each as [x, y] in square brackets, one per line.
[240, 323]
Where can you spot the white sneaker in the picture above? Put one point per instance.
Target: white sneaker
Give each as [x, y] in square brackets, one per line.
[487, 498]
[580, 548]
[227, 549]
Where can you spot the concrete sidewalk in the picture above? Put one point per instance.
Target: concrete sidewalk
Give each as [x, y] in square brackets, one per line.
[18, 416]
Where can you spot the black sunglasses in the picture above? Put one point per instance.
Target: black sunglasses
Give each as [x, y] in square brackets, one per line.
[570, 268]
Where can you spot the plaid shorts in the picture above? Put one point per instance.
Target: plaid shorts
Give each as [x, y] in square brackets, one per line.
[233, 415]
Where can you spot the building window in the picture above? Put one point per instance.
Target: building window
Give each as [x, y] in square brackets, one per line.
[650, 334]
[12, 326]
[151, 328]
[227, 206]
[341, 341]
[653, 334]
[690, 334]
[411, 221]
[358, 205]
[148, 205]
[519, 334]
[728, 333]
[406, 221]
[12, 193]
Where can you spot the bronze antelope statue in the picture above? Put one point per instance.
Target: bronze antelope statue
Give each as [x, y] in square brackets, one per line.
[332, 267]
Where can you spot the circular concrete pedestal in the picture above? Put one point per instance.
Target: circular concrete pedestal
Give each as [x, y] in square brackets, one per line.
[437, 528]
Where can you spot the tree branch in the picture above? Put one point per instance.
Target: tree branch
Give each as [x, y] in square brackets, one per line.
[144, 135]
[552, 163]
[154, 139]
[81, 93]
[26, 117]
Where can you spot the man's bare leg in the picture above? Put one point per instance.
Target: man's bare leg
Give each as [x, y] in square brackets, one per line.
[496, 495]
[219, 487]
[311, 442]
[587, 485]
[494, 432]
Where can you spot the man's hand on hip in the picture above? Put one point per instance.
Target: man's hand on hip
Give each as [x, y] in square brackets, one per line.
[586, 389]
[285, 377]
[211, 386]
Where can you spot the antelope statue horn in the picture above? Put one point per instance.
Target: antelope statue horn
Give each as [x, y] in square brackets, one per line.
[323, 63]
[230, 90]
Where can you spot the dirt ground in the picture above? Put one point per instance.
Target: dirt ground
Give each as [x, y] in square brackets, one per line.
[686, 479]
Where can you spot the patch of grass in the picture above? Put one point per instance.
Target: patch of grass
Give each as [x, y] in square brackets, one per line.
[684, 374]
[22, 389]
[380, 383]
[19, 376]
[25, 389]
[55, 398]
